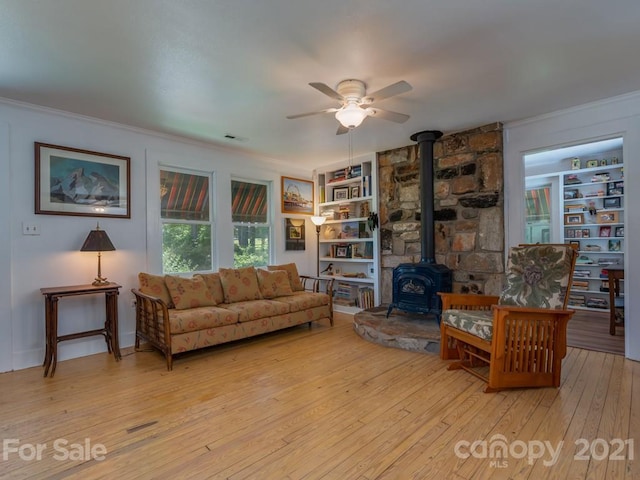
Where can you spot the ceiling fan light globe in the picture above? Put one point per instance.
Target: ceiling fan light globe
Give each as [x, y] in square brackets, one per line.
[351, 116]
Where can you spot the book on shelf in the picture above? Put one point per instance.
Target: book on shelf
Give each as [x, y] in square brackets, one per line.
[597, 302]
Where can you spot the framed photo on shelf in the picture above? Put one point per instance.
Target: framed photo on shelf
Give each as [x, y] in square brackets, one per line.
[573, 218]
[355, 191]
[570, 194]
[607, 217]
[611, 202]
[615, 188]
[341, 194]
[604, 232]
[619, 232]
[297, 196]
[575, 163]
[71, 181]
[615, 245]
[575, 242]
[342, 252]
[586, 233]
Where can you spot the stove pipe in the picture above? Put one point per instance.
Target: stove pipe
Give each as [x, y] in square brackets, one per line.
[425, 140]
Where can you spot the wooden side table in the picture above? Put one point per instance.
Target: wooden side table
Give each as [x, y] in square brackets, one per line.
[110, 330]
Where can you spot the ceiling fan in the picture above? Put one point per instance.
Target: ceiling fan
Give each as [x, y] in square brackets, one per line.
[356, 104]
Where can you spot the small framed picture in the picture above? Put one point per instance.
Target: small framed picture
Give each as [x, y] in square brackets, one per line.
[573, 218]
[611, 202]
[575, 242]
[604, 232]
[571, 233]
[607, 217]
[615, 245]
[619, 232]
[341, 194]
[355, 191]
[586, 233]
[570, 194]
[342, 252]
[575, 163]
[592, 163]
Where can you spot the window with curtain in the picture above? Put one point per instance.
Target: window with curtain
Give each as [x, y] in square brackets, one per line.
[187, 223]
[250, 207]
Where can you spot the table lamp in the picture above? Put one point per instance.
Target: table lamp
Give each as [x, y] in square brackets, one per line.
[98, 241]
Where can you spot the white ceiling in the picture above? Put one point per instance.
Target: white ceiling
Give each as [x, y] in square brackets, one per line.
[206, 68]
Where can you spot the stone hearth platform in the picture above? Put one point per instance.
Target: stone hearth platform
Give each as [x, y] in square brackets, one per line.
[408, 331]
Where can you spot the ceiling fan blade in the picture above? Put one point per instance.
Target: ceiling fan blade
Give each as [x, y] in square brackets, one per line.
[327, 90]
[388, 115]
[300, 115]
[342, 130]
[389, 91]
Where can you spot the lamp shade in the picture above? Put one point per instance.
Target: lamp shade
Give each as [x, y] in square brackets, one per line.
[318, 220]
[351, 116]
[97, 241]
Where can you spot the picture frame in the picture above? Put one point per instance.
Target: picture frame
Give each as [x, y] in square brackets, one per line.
[294, 234]
[592, 163]
[575, 242]
[611, 202]
[354, 191]
[619, 232]
[604, 232]
[105, 180]
[342, 252]
[586, 233]
[607, 217]
[615, 188]
[573, 218]
[340, 194]
[297, 196]
[614, 245]
[570, 194]
[575, 163]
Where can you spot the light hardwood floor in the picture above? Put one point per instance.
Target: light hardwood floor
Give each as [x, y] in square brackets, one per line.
[318, 403]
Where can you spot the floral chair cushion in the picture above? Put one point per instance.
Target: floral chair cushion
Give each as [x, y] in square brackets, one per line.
[475, 322]
[538, 276]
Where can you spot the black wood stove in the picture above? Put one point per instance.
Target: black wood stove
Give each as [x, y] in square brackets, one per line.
[416, 285]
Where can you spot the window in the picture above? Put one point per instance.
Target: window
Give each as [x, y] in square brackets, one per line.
[251, 223]
[185, 213]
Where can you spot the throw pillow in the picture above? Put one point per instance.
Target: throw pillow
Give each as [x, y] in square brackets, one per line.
[239, 284]
[274, 283]
[212, 281]
[155, 286]
[292, 271]
[189, 292]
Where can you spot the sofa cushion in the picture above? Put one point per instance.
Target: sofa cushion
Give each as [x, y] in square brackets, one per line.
[212, 280]
[292, 271]
[475, 322]
[538, 276]
[304, 300]
[257, 309]
[273, 283]
[239, 284]
[155, 286]
[189, 292]
[194, 319]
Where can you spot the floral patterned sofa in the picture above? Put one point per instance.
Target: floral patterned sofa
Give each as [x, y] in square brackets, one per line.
[177, 314]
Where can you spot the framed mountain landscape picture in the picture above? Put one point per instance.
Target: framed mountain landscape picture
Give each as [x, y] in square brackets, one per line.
[71, 181]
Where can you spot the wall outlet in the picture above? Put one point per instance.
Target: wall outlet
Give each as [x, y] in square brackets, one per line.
[30, 229]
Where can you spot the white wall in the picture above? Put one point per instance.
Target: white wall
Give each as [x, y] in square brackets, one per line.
[28, 263]
[614, 117]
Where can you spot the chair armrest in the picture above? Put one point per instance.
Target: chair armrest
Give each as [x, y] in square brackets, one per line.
[467, 301]
[152, 318]
[545, 311]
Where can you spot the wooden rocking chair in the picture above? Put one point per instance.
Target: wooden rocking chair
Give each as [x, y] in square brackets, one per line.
[517, 339]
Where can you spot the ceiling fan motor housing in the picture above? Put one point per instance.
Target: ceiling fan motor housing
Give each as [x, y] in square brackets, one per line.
[352, 90]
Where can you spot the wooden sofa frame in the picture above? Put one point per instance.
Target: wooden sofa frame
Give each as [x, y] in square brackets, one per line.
[152, 318]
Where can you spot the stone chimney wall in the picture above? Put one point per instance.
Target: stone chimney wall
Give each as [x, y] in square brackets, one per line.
[469, 209]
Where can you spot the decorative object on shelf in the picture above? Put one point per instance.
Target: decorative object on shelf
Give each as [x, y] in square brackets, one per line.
[372, 221]
[575, 242]
[294, 234]
[70, 181]
[297, 196]
[318, 220]
[604, 232]
[600, 177]
[328, 270]
[592, 163]
[614, 245]
[592, 208]
[615, 188]
[340, 194]
[98, 241]
[619, 232]
[611, 202]
[572, 179]
[571, 194]
[330, 232]
[573, 218]
[575, 163]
